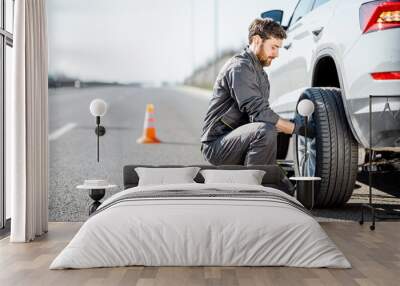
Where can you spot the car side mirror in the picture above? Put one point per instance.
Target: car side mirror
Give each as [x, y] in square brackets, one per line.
[276, 15]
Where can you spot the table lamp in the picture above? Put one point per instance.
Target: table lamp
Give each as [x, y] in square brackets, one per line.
[98, 108]
[305, 108]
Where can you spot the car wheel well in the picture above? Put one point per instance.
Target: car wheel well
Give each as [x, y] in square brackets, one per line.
[325, 73]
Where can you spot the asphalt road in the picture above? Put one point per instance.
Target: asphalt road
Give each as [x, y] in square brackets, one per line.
[179, 116]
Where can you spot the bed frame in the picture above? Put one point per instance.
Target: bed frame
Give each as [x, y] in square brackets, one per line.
[274, 176]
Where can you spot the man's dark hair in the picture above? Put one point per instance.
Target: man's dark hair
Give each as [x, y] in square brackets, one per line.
[266, 28]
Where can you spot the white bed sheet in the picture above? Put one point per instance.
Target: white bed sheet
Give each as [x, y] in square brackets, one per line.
[200, 231]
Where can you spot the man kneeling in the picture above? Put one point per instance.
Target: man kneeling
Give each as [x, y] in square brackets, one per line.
[240, 128]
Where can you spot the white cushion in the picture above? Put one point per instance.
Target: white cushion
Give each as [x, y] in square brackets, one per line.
[248, 177]
[162, 176]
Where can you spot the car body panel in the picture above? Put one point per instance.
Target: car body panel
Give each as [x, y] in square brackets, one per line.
[355, 55]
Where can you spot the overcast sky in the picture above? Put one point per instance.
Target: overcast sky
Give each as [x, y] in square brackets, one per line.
[152, 40]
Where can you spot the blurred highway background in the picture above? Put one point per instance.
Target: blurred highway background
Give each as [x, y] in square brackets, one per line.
[179, 113]
[131, 53]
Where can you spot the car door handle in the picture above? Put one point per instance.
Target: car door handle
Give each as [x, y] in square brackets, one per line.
[287, 47]
[317, 31]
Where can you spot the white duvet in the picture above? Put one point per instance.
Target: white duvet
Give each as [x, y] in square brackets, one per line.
[200, 231]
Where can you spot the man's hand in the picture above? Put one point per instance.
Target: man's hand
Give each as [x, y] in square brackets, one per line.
[294, 127]
[300, 129]
[285, 126]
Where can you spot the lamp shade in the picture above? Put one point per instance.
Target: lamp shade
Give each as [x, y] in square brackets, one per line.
[305, 107]
[98, 107]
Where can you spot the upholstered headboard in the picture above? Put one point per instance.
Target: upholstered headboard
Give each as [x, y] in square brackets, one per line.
[274, 176]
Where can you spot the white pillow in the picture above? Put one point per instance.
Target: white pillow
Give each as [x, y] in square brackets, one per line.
[162, 176]
[249, 177]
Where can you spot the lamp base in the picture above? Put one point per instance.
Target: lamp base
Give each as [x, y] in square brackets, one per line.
[96, 195]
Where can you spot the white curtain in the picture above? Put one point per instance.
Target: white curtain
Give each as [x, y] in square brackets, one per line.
[27, 123]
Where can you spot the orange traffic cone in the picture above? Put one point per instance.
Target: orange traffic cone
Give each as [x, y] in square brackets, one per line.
[149, 130]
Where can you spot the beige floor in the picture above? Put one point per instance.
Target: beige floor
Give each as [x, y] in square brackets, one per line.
[375, 256]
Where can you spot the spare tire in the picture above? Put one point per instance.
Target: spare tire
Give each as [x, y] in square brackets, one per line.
[333, 153]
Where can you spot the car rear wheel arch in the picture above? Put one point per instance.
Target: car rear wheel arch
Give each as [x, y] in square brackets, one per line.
[328, 55]
[325, 73]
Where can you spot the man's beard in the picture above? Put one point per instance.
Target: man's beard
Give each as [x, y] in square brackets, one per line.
[265, 61]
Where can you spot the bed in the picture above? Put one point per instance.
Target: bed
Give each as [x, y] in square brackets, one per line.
[202, 224]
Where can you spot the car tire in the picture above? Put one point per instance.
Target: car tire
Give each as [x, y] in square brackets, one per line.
[336, 150]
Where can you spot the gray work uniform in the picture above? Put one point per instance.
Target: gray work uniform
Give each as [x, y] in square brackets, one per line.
[239, 127]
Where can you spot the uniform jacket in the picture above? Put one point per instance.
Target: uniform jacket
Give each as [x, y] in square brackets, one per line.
[240, 96]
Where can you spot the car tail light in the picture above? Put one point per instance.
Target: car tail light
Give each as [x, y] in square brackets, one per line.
[385, 75]
[379, 15]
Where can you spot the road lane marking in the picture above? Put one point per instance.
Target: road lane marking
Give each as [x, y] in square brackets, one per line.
[61, 131]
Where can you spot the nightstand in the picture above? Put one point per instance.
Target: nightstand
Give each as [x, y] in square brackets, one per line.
[305, 187]
[96, 193]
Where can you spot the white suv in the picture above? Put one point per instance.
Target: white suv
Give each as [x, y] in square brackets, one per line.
[337, 54]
